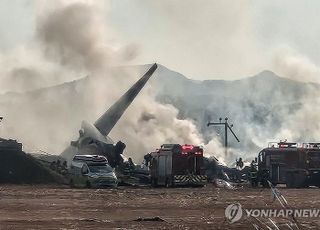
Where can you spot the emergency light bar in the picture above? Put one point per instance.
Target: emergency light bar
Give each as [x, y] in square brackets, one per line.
[186, 147]
[283, 145]
[310, 145]
[287, 145]
[169, 146]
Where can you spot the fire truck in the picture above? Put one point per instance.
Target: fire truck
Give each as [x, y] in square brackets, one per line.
[177, 165]
[294, 164]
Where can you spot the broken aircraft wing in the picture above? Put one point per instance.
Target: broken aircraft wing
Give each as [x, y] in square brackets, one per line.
[108, 120]
[101, 128]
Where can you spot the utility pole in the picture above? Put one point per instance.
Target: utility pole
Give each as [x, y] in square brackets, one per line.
[1, 118]
[226, 127]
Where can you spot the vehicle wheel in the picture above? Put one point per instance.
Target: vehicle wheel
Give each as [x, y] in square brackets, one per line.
[154, 182]
[254, 184]
[88, 184]
[168, 183]
[71, 183]
[264, 184]
[289, 184]
[295, 180]
[290, 180]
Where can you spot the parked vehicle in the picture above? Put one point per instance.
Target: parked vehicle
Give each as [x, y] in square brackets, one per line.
[91, 171]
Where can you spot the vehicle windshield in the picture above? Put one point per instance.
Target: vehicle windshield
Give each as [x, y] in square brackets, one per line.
[100, 168]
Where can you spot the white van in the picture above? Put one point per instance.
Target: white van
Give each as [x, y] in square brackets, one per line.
[91, 171]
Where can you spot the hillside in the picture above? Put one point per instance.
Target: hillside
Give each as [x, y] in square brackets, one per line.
[259, 107]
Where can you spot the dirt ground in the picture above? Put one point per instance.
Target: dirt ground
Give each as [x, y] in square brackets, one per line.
[52, 207]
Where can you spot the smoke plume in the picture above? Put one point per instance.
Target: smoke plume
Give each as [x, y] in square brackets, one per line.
[303, 124]
[71, 40]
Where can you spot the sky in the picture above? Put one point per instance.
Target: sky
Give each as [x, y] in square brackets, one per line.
[203, 39]
[44, 43]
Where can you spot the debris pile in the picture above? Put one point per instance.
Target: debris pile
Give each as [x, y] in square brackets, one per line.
[18, 167]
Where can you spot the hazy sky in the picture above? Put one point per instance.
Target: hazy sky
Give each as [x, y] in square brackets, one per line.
[200, 38]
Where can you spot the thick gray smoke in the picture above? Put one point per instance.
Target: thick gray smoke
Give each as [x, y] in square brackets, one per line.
[303, 125]
[289, 63]
[71, 41]
[293, 114]
[199, 38]
[74, 36]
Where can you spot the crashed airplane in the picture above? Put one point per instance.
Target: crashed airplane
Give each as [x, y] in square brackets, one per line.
[93, 138]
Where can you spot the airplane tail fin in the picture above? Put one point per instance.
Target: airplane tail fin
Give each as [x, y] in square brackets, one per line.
[108, 120]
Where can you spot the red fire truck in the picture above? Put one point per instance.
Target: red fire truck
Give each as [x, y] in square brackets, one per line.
[296, 165]
[177, 165]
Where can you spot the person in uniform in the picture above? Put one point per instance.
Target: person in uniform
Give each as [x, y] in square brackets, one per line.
[253, 174]
[239, 163]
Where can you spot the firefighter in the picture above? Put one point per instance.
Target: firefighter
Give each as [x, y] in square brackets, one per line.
[131, 164]
[64, 168]
[117, 159]
[239, 163]
[253, 174]
[147, 159]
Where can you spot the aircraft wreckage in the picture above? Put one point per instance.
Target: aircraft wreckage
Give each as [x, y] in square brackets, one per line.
[93, 138]
[93, 141]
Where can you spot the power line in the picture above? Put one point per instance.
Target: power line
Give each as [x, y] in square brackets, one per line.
[226, 127]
